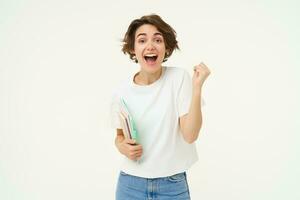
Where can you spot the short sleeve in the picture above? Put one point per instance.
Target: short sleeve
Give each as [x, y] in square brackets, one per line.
[114, 112]
[185, 95]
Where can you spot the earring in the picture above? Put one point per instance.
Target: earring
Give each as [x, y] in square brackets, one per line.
[134, 59]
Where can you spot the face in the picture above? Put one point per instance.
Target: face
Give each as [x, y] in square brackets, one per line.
[149, 48]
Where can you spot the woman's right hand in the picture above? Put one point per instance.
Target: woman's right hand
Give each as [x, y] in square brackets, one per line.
[130, 149]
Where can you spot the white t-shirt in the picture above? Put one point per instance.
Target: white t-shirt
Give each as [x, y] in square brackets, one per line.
[156, 109]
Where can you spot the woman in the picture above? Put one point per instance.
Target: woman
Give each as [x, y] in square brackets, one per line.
[165, 105]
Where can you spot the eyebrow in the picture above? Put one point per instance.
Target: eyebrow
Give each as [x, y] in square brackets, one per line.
[146, 34]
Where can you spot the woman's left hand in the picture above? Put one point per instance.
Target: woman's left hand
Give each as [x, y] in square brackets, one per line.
[201, 72]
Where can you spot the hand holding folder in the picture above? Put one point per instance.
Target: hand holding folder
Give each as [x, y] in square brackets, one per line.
[128, 124]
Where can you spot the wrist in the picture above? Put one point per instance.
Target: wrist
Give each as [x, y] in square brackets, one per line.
[197, 91]
[118, 141]
[119, 147]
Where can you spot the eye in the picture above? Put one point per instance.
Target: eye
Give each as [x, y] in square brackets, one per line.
[141, 41]
[158, 40]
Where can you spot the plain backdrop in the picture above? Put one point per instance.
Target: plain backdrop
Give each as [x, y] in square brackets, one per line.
[61, 60]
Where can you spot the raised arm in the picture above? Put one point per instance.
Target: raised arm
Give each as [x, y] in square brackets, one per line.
[190, 123]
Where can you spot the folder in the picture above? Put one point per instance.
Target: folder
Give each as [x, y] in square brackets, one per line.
[127, 122]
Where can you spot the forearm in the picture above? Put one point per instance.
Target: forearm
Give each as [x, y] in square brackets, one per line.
[118, 140]
[193, 120]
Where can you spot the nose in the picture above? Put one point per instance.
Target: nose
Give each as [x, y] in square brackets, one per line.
[150, 46]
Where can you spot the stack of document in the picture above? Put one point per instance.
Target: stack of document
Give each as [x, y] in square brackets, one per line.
[127, 122]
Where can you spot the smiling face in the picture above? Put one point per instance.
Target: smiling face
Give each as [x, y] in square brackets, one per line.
[149, 48]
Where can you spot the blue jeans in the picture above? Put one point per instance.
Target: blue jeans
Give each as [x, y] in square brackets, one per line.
[173, 187]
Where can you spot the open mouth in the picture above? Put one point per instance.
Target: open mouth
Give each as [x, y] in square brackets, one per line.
[150, 59]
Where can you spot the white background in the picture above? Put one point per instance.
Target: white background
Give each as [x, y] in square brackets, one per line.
[60, 61]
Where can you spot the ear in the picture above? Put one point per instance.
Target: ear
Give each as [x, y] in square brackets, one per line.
[167, 52]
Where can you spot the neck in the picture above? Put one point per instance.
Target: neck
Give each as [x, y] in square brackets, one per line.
[144, 78]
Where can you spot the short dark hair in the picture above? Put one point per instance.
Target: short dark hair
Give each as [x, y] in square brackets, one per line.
[167, 31]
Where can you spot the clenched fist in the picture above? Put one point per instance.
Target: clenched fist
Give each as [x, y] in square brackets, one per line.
[201, 72]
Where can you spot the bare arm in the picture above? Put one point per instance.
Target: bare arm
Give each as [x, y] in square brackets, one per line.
[119, 138]
[191, 123]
